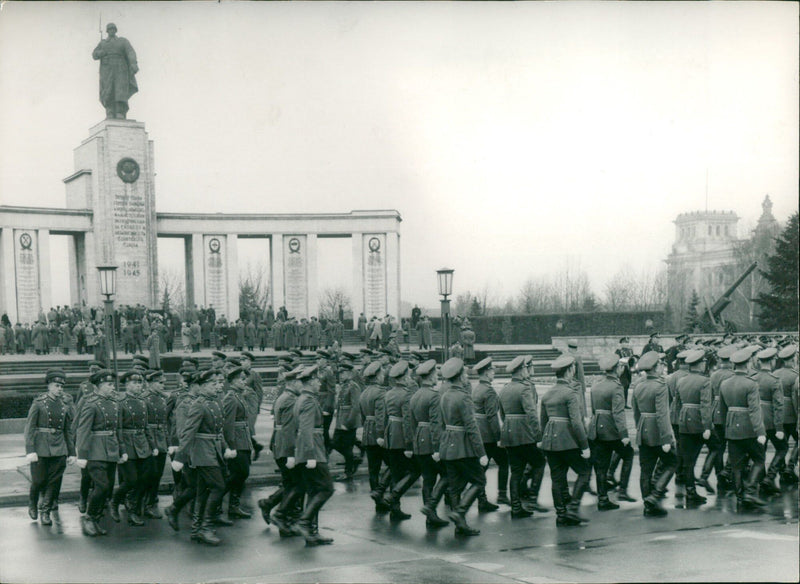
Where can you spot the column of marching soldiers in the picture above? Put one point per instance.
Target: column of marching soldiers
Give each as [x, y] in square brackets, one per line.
[419, 420]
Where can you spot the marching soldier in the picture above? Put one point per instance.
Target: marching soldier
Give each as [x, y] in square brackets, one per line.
[157, 435]
[723, 372]
[608, 430]
[672, 387]
[654, 436]
[135, 449]
[236, 431]
[398, 437]
[693, 404]
[347, 419]
[460, 446]
[565, 443]
[310, 452]
[218, 359]
[327, 393]
[85, 389]
[97, 447]
[49, 444]
[744, 429]
[424, 410]
[372, 406]
[771, 391]
[787, 373]
[289, 496]
[202, 442]
[487, 406]
[254, 397]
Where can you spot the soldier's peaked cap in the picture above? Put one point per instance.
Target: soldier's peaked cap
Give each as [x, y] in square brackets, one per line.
[248, 355]
[347, 355]
[102, 375]
[741, 356]
[307, 372]
[235, 361]
[398, 368]
[234, 373]
[367, 351]
[422, 356]
[285, 358]
[726, 352]
[297, 352]
[154, 375]
[94, 363]
[683, 354]
[452, 367]
[695, 356]
[346, 365]
[205, 376]
[767, 353]
[293, 373]
[131, 373]
[572, 343]
[140, 358]
[562, 362]
[608, 362]
[648, 361]
[323, 353]
[426, 367]
[480, 366]
[372, 369]
[515, 364]
[55, 375]
[788, 352]
[218, 354]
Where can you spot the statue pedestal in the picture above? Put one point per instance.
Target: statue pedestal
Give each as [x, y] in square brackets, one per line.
[114, 179]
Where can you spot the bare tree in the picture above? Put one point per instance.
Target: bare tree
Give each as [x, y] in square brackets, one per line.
[628, 290]
[332, 300]
[171, 291]
[254, 292]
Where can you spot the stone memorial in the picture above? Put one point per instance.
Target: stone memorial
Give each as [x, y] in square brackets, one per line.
[374, 275]
[26, 255]
[296, 275]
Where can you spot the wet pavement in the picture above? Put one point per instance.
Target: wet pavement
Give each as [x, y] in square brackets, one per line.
[713, 543]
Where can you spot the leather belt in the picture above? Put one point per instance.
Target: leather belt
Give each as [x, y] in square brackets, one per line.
[517, 416]
[318, 431]
[738, 409]
[47, 430]
[240, 423]
[369, 417]
[207, 436]
[423, 424]
[155, 425]
[692, 406]
[480, 415]
[649, 415]
[278, 426]
[454, 428]
[103, 433]
[766, 402]
[602, 412]
[559, 419]
[133, 430]
[395, 418]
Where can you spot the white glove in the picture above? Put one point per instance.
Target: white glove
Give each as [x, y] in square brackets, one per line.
[706, 434]
[155, 451]
[762, 439]
[32, 457]
[172, 450]
[666, 447]
[586, 453]
[291, 462]
[779, 435]
[381, 442]
[123, 459]
[81, 462]
[311, 463]
[408, 453]
[484, 460]
[176, 465]
[626, 441]
[71, 460]
[229, 453]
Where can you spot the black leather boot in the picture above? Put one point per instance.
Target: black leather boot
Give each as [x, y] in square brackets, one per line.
[206, 533]
[235, 510]
[266, 505]
[484, 505]
[606, 504]
[751, 487]
[172, 517]
[517, 510]
[87, 526]
[537, 475]
[458, 516]
[429, 510]
[693, 499]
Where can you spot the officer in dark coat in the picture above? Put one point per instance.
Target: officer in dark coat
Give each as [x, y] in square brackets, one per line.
[310, 452]
[203, 444]
[424, 410]
[771, 391]
[348, 419]
[49, 443]
[85, 389]
[693, 403]
[327, 392]
[157, 433]
[608, 430]
[372, 405]
[290, 494]
[236, 431]
[744, 429]
[460, 445]
[564, 442]
[787, 373]
[487, 407]
[654, 436]
[97, 447]
[723, 372]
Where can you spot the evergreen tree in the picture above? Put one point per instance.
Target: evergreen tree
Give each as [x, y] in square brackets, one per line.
[779, 305]
[692, 318]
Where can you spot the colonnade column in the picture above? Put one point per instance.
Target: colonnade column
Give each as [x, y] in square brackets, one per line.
[88, 277]
[45, 286]
[8, 288]
[276, 267]
[195, 276]
[393, 274]
[313, 278]
[233, 276]
[357, 301]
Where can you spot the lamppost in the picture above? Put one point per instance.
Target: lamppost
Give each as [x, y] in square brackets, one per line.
[445, 279]
[108, 287]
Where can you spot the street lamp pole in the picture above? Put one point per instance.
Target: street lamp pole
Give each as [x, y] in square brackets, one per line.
[445, 281]
[108, 287]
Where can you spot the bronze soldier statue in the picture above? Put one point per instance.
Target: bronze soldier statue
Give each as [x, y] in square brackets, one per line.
[118, 67]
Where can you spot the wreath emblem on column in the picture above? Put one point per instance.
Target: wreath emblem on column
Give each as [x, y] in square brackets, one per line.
[214, 245]
[26, 241]
[128, 170]
[294, 245]
[374, 244]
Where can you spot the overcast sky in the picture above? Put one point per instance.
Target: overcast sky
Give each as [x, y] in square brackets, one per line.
[511, 137]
